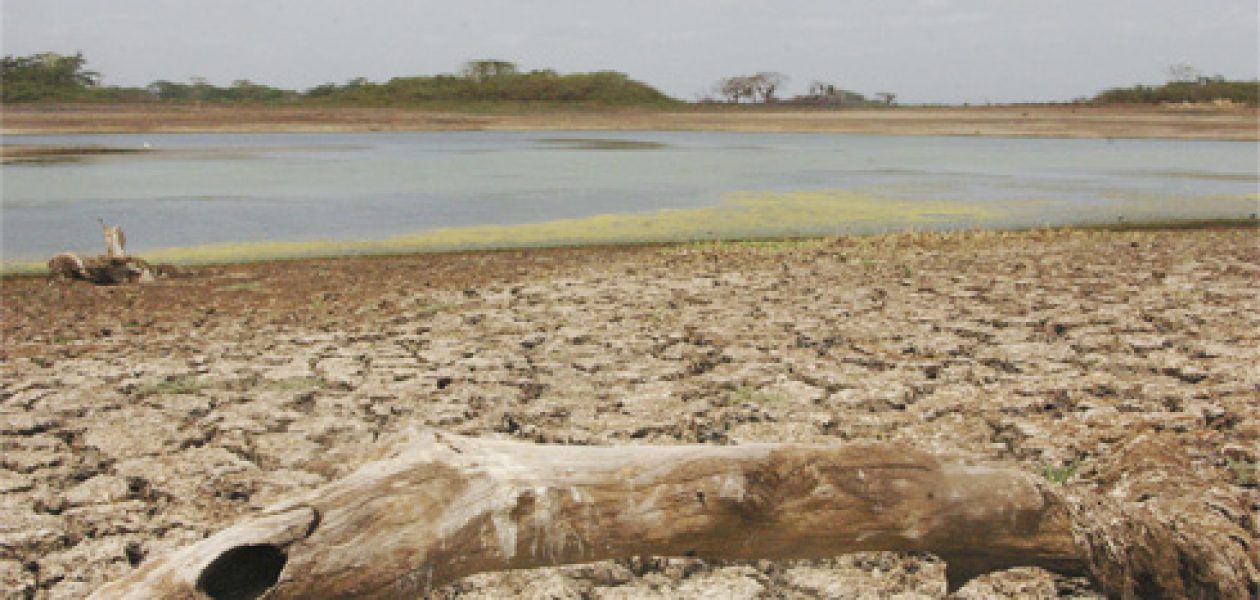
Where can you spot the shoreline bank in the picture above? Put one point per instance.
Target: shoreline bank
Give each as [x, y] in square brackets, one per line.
[236, 255]
[1234, 124]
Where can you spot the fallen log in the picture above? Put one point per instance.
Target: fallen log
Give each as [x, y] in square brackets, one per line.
[101, 270]
[441, 507]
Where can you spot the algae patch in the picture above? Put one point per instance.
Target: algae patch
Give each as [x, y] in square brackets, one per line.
[744, 215]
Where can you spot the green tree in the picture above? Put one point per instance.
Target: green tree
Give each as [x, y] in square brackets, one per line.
[45, 76]
[483, 70]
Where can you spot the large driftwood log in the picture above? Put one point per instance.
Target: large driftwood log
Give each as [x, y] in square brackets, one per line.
[101, 270]
[444, 507]
[113, 267]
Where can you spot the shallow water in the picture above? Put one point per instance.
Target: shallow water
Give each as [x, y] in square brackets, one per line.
[284, 194]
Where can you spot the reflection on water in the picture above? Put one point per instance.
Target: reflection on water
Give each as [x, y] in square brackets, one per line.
[1253, 177]
[361, 191]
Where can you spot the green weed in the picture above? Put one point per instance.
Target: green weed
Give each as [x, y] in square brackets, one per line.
[179, 384]
[1244, 471]
[244, 286]
[1059, 474]
[431, 309]
[745, 394]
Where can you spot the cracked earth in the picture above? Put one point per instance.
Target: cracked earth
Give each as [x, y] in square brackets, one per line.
[134, 420]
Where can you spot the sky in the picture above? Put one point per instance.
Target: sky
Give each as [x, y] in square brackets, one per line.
[925, 51]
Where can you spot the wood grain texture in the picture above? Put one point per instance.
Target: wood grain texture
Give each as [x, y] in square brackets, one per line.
[439, 508]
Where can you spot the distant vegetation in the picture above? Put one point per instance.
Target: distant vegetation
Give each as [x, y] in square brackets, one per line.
[1186, 84]
[761, 87]
[51, 77]
[46, 76]
[602, 88]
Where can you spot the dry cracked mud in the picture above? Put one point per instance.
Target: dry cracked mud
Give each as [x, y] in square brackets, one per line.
[134, 420]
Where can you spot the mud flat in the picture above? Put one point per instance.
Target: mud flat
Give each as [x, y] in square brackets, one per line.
[137, 419]
[19, 153]
[1237, 123]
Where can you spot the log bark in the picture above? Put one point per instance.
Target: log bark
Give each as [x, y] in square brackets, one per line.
[101, 270]
[444, 507]
[439, 507]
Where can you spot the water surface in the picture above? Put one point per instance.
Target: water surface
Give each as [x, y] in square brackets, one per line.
[320, 193]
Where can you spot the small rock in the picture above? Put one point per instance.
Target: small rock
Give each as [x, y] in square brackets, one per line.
[48, 501]
[1240, 452]
[1146, 343]
[15, 482]
[1187, 373]
[26, 423]
[102, 489]
[16, 579]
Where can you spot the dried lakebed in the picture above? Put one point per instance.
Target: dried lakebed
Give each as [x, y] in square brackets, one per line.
[134, 420]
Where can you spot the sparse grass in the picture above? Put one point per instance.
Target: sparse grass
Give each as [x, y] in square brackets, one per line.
[178, 384]
[244, 286]
[757, 246]
[1244, 471]
[745, 394]
[432, 309]
[1172, 224]
[1060, 474]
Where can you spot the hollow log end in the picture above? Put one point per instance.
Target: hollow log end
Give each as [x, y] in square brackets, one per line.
[239, 563]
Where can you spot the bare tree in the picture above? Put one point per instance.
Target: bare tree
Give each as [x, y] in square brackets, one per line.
[888, 98]
[766, 82]
[821, 88]
[753, 87]
[735, 88]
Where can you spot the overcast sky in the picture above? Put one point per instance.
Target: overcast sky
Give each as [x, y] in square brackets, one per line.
[948, 51]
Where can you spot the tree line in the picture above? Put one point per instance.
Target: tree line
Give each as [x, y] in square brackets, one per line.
[65, 78]
[52, 77]
[1185, 84]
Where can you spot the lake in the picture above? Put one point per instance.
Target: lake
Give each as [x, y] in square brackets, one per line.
[231, 196]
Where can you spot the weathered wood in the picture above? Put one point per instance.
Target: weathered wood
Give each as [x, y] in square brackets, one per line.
[66, 266]
[101, 270]
[113, 267]
[444, 507]
[115, 240]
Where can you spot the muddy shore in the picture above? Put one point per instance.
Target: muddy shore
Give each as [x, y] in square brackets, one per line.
[134, 420]
[1239, 123]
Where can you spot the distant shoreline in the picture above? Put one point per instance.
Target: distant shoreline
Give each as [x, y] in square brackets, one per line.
[1033, 121]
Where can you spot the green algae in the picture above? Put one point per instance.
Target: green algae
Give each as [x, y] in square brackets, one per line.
[745, 215]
